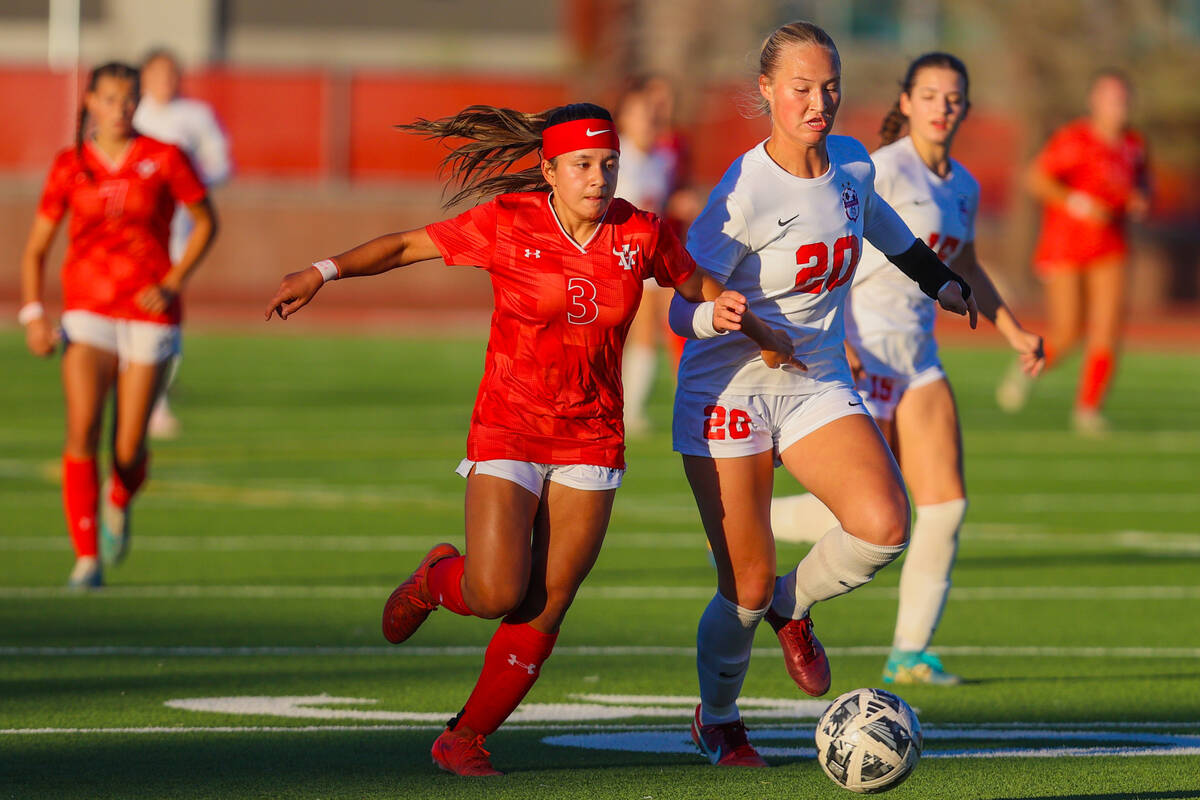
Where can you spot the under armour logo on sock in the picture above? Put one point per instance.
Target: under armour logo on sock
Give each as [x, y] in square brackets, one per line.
[530, 668]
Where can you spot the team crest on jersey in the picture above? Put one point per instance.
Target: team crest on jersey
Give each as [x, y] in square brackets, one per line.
[850, 201]
[964, 209]
[628, 255]
[145, 168]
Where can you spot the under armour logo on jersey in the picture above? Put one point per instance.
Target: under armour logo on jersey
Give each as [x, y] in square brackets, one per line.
[628, 257]
[530, 668]
[145, 168]
[531, 253]
[850, 201]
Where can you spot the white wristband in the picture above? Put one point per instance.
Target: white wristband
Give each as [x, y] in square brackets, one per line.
[29, 312]
[328, 269]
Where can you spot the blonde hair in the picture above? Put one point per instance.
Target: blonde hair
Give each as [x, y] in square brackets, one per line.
[794, 33]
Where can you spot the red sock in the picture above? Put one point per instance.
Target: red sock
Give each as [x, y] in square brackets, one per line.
[1097, 374]
[511, 665]
[1051, 353]
[126, 482]
[81, 490]
[445, 583]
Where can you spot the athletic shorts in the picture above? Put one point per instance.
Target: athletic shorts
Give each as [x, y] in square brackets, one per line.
[894, 364]
[731, 425]
[532, 476]
[133, 341]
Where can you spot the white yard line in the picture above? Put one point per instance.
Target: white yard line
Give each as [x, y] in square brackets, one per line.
[222, 651]
[288, 592]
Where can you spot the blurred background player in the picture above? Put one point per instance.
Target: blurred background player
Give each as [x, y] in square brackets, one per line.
[654, 167]
[1091, 178]
[191, 125]
[785, 228]
[121, 298]
[545, 453]
[894, 356]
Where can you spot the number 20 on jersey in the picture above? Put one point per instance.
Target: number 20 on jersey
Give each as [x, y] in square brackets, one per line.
[815, 275]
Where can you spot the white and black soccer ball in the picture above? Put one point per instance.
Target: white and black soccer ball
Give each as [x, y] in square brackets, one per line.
[868, 741]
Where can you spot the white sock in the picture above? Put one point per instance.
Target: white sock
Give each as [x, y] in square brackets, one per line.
[836, 564]
[925, 577]
[637, 378]
[800, 518]
[723, 643]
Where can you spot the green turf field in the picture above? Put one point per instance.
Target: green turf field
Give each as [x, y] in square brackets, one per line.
[237, 654]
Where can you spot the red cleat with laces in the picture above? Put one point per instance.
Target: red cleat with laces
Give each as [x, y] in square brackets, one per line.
[803, 655]
[411, 603]
[463, 755]
[725, 744]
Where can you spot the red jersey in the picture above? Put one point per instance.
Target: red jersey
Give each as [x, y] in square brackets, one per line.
[551, 388]
[120, 223]
[1108, 172]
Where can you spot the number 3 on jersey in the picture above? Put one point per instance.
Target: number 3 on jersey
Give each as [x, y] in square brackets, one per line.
[583, 308]
[814, 261]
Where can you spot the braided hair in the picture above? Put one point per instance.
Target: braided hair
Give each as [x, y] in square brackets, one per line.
[893, 123]
[497, 138]
[113, 69]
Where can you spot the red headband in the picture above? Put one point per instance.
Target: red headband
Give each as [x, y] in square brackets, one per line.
[579, 134]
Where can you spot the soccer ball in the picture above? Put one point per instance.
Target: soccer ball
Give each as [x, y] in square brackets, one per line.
[868, 741]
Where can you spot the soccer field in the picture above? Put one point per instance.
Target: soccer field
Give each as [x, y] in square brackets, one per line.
[237, 653]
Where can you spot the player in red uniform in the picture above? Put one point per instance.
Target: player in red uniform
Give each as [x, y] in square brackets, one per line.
[545, 452]
[1091, 178]
[121, 306]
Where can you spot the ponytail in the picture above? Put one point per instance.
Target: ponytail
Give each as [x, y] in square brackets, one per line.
[892, 125]
[497, 138]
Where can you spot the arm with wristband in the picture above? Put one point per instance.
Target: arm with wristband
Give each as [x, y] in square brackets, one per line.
[702, 309]
[374, 257]
[40, 336]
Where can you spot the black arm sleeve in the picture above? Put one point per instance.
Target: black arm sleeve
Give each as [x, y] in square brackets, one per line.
[923, 266]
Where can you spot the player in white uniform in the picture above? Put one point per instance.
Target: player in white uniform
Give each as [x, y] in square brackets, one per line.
[649, 177]
[785, 228]
[893, 353]
[191, 125]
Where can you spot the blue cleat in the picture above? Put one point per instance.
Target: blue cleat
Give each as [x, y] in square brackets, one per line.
[917, 667]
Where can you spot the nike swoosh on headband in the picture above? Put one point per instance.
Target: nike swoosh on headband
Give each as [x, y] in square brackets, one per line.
[591, 132]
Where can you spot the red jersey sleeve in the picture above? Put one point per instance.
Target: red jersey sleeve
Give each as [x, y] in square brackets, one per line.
[186, 186]
[1060, 154]
[671, 265]
[468, 240]
[56, 192]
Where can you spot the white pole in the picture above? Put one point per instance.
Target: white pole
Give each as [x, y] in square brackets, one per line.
[64, 34]
[63, 51]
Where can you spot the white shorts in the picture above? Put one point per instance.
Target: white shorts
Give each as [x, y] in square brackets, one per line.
[893, 365]
[733, 425]
[532, 476]
[134, 341]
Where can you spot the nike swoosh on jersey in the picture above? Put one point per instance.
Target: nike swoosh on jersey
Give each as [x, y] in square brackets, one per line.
[591, 132]
[783, 222]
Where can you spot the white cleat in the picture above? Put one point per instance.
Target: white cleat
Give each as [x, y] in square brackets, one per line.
[1090, 423]
[87, 574]
[1014, 389]
[163, 424]
[114, 529]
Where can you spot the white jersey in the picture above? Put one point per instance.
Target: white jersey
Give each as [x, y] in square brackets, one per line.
[939, 210]
[192, 126]
[790, 245]
[645, 177]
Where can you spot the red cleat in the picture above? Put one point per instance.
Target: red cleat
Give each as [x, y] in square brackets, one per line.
[803, 655]
[411, 603]
[725, 744]
[462, 755]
